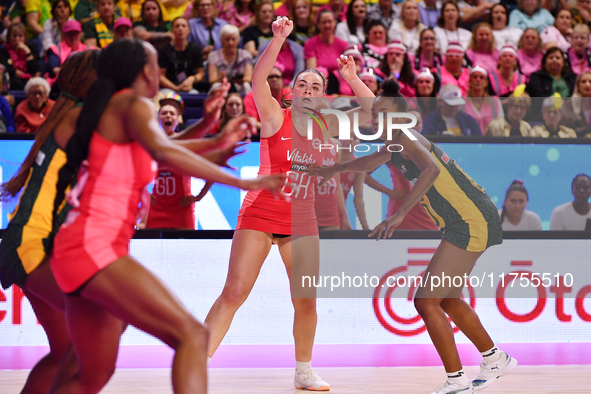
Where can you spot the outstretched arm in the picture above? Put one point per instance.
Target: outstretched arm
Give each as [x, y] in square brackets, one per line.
[361, 164]
[140, 120]
[429, 173]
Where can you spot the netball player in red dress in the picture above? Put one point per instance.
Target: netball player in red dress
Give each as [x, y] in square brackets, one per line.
[119, 134]
[290, 224]
[329, 204]
[172, 205]
[353, 180]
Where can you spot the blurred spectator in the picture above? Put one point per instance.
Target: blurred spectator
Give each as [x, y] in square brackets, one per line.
[15, 13]
[560, 34]
[579, 55]
[290, 60]
[284, 8]
[351, 29]
[303, 21]
[474, 11]
[552, 117]
[507, 76]
[233, 108]
[396, 64]
[371, 79]
[426, 55]
[278, 91]
[86, 10]
[181, 64]
[582, 11]
[122, 28]
[576, 111]
[417, 218]
[449, 118]
[554, 77]
[38, 12]
[260, 33]
[482, 48]
[409, 27]
[240, 13]
[6, 118]
[384, 11]
[376, 45]
[70, 42]
[171, 98]
[31, 113]
[514, 216]
[5, 85]
[338, 8]
[427, 89]
[151, 27]
[430, 11]
[206, 28]
[18, 58]
[481, 104]
[231, 62]
[503, 34]
[448, 27]
[453, 72]
[512, 125]
[322, 50]
[98, 32]
[52, 28]
[529, 52]
[529, 13]
[574, 215]
[130, 9]
[176, 8]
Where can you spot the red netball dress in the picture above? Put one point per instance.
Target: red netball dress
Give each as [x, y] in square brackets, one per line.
[165, 209]
[347, 181]
[417, 218]
[286, 152]
[326, 205]
[98, 231]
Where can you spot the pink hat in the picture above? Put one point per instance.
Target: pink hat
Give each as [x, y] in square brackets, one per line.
[508, 48]
[72, 25]
[279, 66]
[478, 69]
[368, 74]
[454, 48]
[425, 73]
[122, 22]
[396, 46]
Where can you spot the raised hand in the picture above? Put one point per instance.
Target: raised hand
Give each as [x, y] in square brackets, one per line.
[282, 27]
[347, 67]
[236, 130]
[214, 103]
[387, 227]
[221, 157]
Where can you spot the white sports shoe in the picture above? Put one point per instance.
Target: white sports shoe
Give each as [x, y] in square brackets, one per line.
[310, 381]
[453, 388]
[490, 372]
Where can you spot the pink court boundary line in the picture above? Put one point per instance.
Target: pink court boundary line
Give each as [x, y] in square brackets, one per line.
[282, 356]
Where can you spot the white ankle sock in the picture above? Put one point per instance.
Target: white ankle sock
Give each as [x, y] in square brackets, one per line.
[303, 367]
[491, 355]
[208, 360]
[458, 378]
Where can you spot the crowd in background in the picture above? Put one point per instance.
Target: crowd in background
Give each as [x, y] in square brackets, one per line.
[499, 58]
[469, 68]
